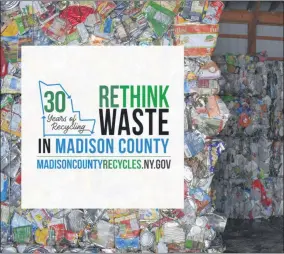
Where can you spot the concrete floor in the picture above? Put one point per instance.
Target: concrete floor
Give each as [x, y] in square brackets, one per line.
[258, 236]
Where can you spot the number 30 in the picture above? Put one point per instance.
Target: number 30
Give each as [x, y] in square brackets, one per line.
[59, 102]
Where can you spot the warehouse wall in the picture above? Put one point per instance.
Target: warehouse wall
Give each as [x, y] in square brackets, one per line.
[274, 48]
[240, 46]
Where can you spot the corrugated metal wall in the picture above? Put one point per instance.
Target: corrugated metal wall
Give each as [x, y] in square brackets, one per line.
[232, 45]
[274, 48]
[239, 46]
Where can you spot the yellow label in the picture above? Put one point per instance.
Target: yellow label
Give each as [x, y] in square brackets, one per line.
[41, 236]
[6, 124]
[38, 217]
[191, 76]
[159, 234]
[31, 11]
[179, 20]
[11, 30]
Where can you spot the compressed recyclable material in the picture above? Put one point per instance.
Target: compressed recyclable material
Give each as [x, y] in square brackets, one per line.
[249, 173]
[197, 39]
[193, 24]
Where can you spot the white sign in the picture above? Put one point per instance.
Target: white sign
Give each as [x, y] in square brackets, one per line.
[102, 127]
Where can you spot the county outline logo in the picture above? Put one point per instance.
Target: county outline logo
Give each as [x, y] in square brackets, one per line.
[59, 118]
